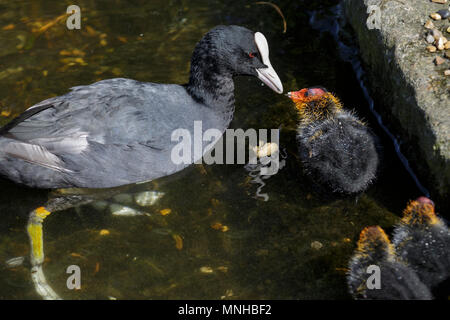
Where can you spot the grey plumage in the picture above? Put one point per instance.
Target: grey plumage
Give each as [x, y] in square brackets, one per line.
[110, 133]
[118, 131]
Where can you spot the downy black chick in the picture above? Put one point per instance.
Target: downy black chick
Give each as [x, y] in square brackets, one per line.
[337, 149]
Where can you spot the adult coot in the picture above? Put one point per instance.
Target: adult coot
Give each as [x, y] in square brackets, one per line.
[337, 149]
[119, 131]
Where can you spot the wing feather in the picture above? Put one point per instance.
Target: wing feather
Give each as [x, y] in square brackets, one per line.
[35, 154]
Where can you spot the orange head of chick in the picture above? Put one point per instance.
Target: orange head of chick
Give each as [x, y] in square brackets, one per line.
[420, 212]
[315, 103]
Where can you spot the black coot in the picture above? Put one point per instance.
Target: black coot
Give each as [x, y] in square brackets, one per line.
[118, 131]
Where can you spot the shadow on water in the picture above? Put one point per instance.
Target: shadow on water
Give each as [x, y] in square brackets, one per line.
[218, 241]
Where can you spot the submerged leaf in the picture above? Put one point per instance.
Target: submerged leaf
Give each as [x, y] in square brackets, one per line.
[178, 241]
[9, 27]
[165, 212]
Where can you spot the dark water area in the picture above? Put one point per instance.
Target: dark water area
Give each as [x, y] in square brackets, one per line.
[219, 240]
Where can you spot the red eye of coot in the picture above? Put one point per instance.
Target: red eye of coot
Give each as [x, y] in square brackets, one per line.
[252, 55]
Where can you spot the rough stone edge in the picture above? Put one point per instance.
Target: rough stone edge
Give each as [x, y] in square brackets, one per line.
[401, 76]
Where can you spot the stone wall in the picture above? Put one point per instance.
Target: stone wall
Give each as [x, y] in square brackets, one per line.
[410, 91]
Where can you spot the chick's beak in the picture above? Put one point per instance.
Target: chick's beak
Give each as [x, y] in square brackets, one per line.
[296, 96]
[267, 75]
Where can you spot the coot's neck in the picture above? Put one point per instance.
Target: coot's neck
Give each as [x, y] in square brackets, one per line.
[212, 89]
[210, 82]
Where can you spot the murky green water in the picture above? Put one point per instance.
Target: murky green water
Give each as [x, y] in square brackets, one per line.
[233, 245]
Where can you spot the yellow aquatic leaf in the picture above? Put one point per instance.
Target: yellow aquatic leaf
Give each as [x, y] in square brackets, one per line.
[66, 60]
[65, 53]
[74, 52]
[77, 255]
[116, 71]
[22, 39]
[206, 270]
[77, 52]
[5, 113]
[178, 241]
[104, 232]
[217, 226]
[70, 61]
[91, 31]
[103, 42]
[122, 39]
[50, 24]
[80, 61]
[165, 212]
[97, 267]
[223, 269]
[44, 73]
[9, 27]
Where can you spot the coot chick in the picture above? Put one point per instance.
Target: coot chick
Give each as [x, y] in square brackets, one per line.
[396, 280]
[422, 239]
[336, 148]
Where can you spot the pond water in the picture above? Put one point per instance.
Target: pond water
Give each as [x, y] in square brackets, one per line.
[219, 240]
